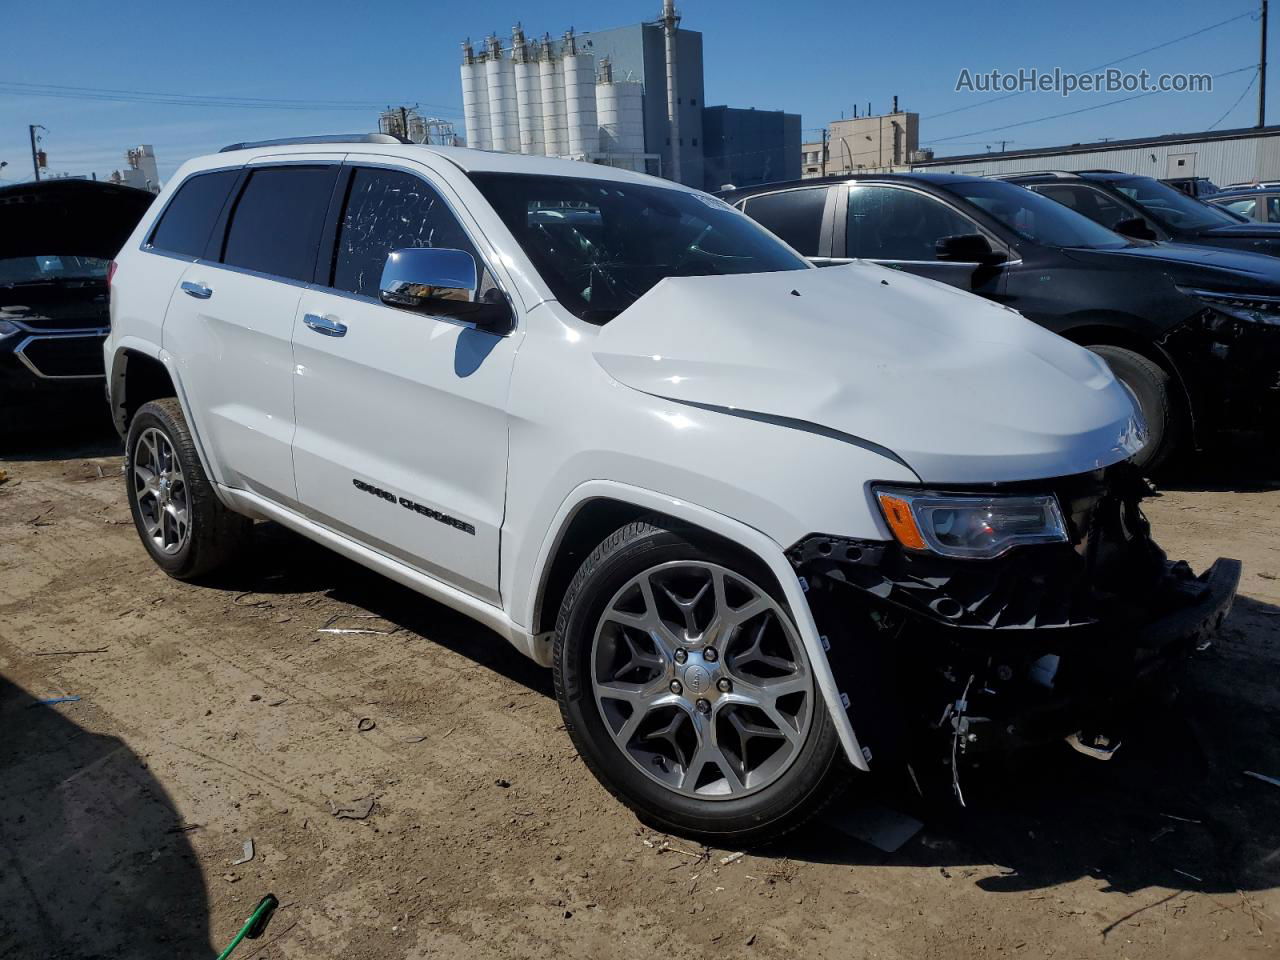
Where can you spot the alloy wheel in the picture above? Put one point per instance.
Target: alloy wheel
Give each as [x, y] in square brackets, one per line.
[161, 492]
[701, 681]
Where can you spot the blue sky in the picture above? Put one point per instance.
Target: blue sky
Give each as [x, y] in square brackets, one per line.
[813, 58]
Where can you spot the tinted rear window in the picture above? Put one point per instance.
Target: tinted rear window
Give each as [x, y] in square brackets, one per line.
[793, 215]
[185, 225]
[275, 227]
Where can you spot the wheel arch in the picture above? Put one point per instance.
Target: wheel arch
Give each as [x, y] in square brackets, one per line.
[140, 373]
[137, 377]
[1118, 331]
[601, 506]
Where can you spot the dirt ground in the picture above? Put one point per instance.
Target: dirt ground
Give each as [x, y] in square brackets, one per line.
[214, 715]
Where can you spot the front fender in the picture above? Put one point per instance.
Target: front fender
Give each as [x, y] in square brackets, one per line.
[757, 543]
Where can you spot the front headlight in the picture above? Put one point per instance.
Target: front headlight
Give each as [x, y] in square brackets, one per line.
[974, 526]
[1252, 308]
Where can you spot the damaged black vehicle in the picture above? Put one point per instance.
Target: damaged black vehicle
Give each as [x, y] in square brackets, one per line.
[57, 238]
[995, 644]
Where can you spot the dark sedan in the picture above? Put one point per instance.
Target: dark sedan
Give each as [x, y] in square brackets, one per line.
[1193, 332]
[57, 238]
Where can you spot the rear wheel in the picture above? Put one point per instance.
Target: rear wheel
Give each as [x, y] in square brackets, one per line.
[684, 684]
[1155, 393]
[179, 518]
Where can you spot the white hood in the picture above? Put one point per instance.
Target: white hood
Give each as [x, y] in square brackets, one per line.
[961, 389]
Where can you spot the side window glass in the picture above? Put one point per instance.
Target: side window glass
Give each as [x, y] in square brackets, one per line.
[1088, 201]
[1273, 209]
[889, 223]
[275, 227]
[1249, 207]
[390, 210]
[795, 216]
[185, 225]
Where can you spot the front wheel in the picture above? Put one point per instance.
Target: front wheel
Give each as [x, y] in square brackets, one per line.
[1154, 392]
[684, 685]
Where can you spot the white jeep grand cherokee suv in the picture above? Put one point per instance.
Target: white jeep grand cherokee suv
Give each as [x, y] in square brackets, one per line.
[767, 522]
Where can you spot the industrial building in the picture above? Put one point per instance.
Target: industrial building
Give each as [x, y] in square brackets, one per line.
[140, 169]
[864, 144]
[409, 123]
[743, 148]
[1224, 156]
[630, 97]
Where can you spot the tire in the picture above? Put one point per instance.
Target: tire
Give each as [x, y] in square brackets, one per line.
[1156, 394]
[158, 498]
[721, 801]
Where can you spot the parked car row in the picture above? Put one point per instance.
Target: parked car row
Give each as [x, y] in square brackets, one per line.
[1176, 295]
[769, 524]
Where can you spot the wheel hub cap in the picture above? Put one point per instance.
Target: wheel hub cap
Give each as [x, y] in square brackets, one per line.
[161, 492]
[701, 680]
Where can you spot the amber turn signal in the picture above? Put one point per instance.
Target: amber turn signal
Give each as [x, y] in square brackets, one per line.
[897, 513]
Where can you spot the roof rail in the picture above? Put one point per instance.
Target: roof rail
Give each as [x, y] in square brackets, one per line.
[1060, 174]
[327, 138]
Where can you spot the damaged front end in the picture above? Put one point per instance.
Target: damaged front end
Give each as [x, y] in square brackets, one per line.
[956, 655]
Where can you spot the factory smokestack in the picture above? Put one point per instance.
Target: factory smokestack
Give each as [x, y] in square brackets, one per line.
[670, 23]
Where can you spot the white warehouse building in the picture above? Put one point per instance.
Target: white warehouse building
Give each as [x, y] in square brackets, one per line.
[552, 99]
[1223, 156]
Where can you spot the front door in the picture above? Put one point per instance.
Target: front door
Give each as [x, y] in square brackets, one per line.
[401, 423]
[900, 227]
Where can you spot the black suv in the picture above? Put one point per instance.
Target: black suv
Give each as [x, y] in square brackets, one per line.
[1147, 209]
[1193, 333]
[57, 238]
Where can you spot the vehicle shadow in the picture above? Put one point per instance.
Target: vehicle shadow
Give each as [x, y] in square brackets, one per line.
[280, 561]
[68, 438]
[1171, 809]
[1236, 464]
[94, 858]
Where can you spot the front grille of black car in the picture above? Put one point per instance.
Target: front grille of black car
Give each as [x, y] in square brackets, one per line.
[59, 357]
[43, 323]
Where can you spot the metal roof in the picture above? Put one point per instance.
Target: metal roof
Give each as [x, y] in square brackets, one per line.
[1242, 133]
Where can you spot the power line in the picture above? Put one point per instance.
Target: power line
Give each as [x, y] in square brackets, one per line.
[1102, 66]
[1227, 113]
[1070, 113]
[60, 91]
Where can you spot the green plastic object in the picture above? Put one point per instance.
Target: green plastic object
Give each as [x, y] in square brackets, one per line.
[255, 926]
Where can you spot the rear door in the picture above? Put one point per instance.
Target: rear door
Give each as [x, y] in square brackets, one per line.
[231, 322]
[802, 217]
[900, 226]
[401, 417]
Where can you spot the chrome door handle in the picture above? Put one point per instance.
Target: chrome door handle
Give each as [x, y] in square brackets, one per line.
[197, 290]
[329, 326]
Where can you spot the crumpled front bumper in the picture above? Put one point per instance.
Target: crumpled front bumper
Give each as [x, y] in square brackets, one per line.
[1032, 647]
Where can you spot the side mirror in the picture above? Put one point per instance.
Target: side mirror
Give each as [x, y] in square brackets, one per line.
[442, 283]
[967, 248]
[1136, 228]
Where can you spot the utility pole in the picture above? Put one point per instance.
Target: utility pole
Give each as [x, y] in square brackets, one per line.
[404, 123]
[670, 24]
[825, 135]
[35, 154]
[1262, 71]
